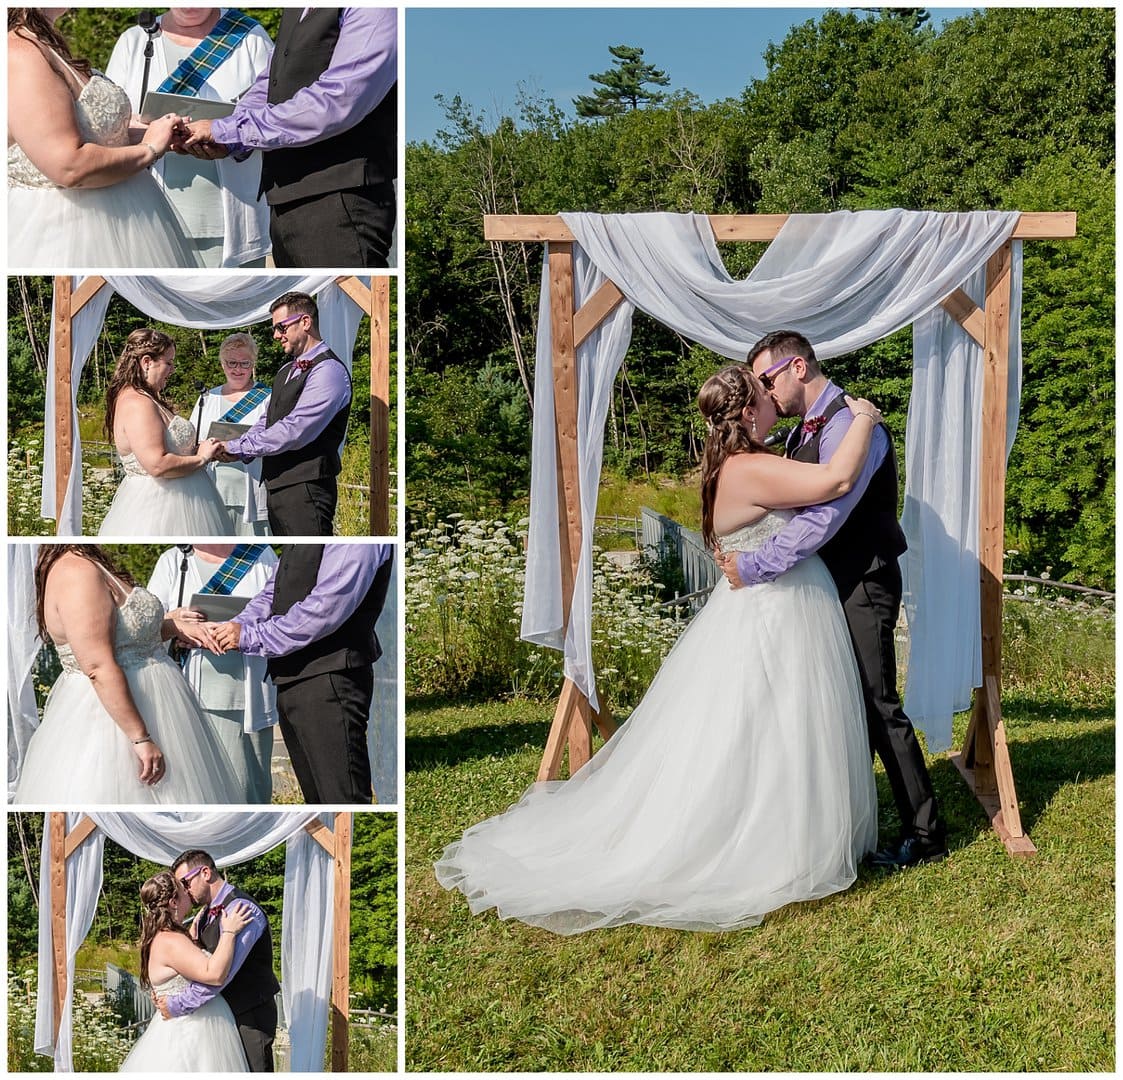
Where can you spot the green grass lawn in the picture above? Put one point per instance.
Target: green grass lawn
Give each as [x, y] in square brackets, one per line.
[982, 962]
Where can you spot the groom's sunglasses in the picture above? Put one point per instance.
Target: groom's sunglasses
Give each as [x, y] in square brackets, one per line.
[768, 378]
[187, 877]
[279, 326]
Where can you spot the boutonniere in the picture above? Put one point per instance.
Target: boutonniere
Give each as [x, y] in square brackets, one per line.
[302, 364]
[813, 424]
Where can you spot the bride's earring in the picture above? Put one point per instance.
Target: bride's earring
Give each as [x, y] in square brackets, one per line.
[752, 427]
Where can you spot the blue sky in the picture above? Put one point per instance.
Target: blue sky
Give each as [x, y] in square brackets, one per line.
[485, 54]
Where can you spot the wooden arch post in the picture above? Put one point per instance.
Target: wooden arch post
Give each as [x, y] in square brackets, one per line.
[335, 840]
[984, 760]
[375, 301]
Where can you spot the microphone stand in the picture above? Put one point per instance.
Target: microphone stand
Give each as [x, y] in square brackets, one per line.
[146, 20]
[202, 388]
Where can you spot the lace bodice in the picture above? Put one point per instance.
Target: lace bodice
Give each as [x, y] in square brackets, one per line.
[136, 638]
[170, 986]
[179, 438]
[102, 111]
[750, 537]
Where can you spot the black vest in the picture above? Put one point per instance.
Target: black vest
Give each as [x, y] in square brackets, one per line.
[871, 536]
[254, 982]
[361, 156]
[352, 645]
[319, 458]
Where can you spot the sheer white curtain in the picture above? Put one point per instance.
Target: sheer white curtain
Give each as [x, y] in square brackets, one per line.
[207, 302]
[843, 279]
[231, 837]
[23, 647]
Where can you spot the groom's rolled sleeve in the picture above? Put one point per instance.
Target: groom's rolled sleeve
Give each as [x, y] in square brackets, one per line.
[326, 390]
[196, 994]
[346, 573]
[811, 528]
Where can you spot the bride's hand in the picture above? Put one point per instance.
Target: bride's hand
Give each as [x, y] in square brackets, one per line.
[162, 131]
[209, 449]
[236, 916]
[196, 634]
[152, 766]
[862, 407]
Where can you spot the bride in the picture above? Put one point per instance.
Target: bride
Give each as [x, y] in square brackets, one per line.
[742, 781]
[120, 724]
[166, 490]
[79, 191]
[207, 1039]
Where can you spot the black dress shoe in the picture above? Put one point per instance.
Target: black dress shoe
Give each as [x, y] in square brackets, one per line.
[912, 851]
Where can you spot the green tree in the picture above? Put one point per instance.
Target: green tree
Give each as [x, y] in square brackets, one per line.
[374, 909]
[623, 86]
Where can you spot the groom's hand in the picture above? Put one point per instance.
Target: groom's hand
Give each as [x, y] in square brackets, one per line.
[228, 635]
[727, 563]
[200, 143]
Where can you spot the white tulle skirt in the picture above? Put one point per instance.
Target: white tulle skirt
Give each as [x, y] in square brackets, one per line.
[80, 757]
[741, 783]
[205, 1041]
[129, 224]
[184, 506]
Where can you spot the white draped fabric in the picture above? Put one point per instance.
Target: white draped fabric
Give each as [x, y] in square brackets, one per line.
[23, 647]
[231, 838]
[843, 279]
[206, 302]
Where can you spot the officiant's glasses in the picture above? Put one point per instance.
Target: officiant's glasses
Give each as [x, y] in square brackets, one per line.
[768, 378]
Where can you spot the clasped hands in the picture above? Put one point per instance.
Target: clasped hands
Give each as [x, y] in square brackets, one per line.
[193, 631]
[194, 137]
[214, 450]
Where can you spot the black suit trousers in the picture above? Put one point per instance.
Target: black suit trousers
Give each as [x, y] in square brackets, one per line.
[342, 228]
[871, 609]
[257, 1028]
[303, 509]
[324, 723]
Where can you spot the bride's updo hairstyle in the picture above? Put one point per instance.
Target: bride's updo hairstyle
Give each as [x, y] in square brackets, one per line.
[49, 554]
[721, 400]
[156, 896]
[32, 23]
[130, 371]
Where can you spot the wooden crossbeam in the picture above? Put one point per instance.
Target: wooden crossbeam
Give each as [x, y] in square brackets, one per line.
[550, 227]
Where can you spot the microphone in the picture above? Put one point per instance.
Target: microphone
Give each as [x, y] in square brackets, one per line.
[777, 437]
[146, 20]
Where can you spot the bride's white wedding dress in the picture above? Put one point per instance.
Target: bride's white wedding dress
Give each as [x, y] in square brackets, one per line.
[79, 757]
[181, 506]
[205, 1040]
[741, 783]
[130, 223]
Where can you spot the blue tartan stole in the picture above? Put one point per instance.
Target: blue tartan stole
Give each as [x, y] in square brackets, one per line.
[238, 563]
[255, 395]
[194, 70]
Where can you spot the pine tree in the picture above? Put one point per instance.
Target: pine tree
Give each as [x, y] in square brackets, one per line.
[622, 87]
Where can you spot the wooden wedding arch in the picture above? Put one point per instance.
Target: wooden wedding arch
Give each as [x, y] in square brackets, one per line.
[984, 760]
[375, 301]
[335, 840]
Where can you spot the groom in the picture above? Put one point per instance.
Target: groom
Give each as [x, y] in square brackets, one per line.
[299, 437]
[251, 987]
[314, 622]
[859, 539]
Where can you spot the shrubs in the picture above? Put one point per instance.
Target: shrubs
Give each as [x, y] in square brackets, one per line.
[464, 599]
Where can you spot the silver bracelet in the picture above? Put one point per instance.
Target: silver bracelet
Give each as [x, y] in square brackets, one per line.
[156, 155]
[137, 742]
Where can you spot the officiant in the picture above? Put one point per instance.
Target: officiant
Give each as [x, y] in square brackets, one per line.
[300, 437]
[213, 54]
[225, 411]
[237, 701]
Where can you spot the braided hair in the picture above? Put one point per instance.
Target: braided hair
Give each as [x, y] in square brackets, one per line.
[722, 400]
[156, 896]
[130, 372]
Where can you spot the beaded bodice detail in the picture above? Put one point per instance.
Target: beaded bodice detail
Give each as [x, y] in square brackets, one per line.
[102, 111]
[750, 537]
[179, 438]
[170, 986]
[136, 639]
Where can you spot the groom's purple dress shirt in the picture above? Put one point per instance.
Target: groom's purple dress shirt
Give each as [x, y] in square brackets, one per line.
[326, 390]
[346, 573]
[196, 994]
[811, 528]
[363, 68]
